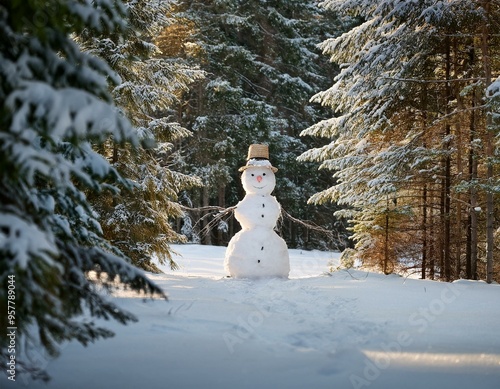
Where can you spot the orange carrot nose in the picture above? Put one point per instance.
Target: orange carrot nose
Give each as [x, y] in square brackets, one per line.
[259, 178]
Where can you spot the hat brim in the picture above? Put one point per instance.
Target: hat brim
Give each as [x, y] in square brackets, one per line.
[243, 168]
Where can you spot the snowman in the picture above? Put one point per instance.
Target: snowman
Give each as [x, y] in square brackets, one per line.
[257, 251]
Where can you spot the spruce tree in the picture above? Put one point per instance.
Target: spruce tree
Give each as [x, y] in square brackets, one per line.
[55, 105]
[138, 221]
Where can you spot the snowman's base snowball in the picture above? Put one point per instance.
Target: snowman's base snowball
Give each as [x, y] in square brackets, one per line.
[257, 253]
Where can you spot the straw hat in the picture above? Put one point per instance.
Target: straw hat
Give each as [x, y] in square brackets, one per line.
[258, 155]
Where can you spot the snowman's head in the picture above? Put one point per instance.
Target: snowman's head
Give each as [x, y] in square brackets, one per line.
[258, 179]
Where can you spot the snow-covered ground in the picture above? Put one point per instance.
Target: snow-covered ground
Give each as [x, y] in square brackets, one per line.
[315, 330]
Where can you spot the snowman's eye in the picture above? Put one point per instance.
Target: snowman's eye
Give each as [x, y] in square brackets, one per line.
[263, 174]
[253, 174]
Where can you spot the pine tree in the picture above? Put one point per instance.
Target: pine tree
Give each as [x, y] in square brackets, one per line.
[412, 120]
[151, 88]
[55, 105]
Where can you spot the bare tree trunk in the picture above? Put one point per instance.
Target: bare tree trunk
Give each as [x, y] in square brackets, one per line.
[458, 236]
[222, 204]
[386, 243]
[471, 247]
[446, 266]
[471, 264]
[207, 238]
[293, 234]
[459, 146]
[424, 230]
[472, 236]
[425, 248]
[485, 48]
[432, 248]
[447, 175]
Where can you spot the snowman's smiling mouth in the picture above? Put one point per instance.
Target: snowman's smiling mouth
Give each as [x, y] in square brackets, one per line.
[259, 187]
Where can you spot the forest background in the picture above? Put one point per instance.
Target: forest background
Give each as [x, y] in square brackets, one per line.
[409, 128]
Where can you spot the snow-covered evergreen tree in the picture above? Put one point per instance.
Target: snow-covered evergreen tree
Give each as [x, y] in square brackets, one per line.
[54, 105]
[138, 221]
[410, 130]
